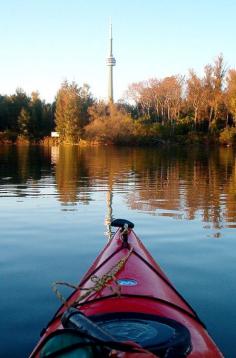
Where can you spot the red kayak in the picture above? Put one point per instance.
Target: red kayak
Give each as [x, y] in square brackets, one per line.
[125, 306]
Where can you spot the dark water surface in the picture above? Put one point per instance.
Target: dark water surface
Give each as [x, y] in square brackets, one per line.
[55, 209]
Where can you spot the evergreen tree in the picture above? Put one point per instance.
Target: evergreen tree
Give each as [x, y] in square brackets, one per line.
[48, 122]
[3, 113]
[36, 108]
[24, 123]
[16, 102]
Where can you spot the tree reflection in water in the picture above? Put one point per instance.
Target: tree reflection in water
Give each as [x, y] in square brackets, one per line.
[177, 182]
[161, 181]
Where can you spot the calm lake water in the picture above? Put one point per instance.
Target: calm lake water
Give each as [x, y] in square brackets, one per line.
[56, 205]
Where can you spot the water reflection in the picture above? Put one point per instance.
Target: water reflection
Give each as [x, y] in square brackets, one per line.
[168, 182]
[109, 214]
[22, 168]
[72, 176]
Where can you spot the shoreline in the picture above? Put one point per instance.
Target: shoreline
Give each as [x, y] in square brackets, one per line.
[48, 142]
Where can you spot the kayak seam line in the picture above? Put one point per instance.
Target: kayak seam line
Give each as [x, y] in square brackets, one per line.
[98, 267]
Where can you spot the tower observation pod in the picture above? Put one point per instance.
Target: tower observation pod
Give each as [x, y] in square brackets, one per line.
[110, 63]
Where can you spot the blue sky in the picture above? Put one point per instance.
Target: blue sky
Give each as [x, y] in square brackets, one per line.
[44, 42]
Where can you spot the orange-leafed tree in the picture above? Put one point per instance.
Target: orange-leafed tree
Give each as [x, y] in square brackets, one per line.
[109, 123]
[231, 93]
[195, 95]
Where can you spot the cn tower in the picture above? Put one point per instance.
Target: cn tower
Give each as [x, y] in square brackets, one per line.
[110, 63]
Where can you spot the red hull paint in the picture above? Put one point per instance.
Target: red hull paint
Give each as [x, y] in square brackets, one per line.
[153, 294]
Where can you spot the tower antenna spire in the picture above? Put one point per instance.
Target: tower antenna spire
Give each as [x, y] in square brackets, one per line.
[110, 29]
[110, 63]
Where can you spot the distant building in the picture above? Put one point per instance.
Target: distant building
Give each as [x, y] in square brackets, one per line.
[55, 135]
[110, 63]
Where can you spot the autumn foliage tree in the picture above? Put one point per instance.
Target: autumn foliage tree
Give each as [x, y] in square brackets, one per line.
[158, 100]
[231, 93]
[195, 96]
[109, 123]
[71, 114]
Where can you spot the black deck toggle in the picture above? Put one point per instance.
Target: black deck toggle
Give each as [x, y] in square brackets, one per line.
[121, 223]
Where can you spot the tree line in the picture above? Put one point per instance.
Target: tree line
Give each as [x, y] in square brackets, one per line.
[209, 99]
[175, 108]
[24, 116]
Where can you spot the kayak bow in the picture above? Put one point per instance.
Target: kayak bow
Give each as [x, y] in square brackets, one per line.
[125, 296]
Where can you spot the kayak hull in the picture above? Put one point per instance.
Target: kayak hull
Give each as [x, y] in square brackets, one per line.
[137, 285]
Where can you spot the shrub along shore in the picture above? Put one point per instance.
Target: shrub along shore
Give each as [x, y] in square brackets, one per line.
[166, 136]
[175, 109]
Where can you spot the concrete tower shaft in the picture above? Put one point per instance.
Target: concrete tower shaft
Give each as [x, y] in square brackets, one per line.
[110, 63]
